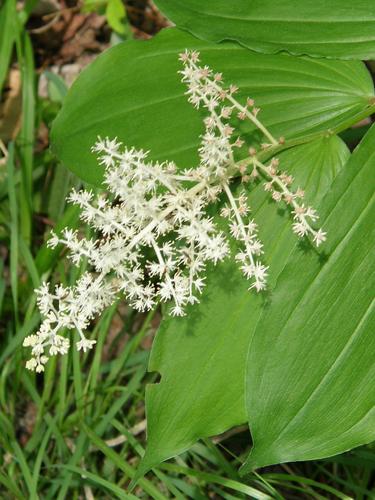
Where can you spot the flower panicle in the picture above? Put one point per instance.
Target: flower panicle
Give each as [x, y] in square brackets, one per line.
[154, 237]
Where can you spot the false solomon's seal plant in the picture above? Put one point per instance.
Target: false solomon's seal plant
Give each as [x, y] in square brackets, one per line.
[154, 235]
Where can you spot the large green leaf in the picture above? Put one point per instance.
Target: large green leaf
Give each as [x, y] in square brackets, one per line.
[310, 375]
[202, 357]
[334, 28]
[133, 92]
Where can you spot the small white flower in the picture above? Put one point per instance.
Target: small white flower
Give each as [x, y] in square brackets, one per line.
[300, 229]
[85, 344]
[319, 237]
[30, 341]
[31, 364]
[177, 311]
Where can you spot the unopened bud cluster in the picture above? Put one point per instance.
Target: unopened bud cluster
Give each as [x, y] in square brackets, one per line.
[155, 236]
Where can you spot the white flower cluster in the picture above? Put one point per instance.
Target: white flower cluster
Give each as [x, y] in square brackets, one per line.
[155, 237]
[71, 308]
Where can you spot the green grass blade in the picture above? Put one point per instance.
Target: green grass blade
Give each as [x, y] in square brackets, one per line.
[81, 445]
[103, 327]
[146, 485]
[16, 341]
[11, 486]
[37, 465]
[22, 463]
[306, 481]
[101, 482]
[133, 385]
[2, 285]
[47, 257]
[59, 190]
[26, 136]
[13, 208]
[29, 262]
[216, 479]
[7, 35]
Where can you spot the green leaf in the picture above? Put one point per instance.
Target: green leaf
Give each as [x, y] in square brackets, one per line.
[57, 88]
[202, 357]
[310, 391]
[336, 29]
[8, 29]
[133, 92]
[116, 14]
